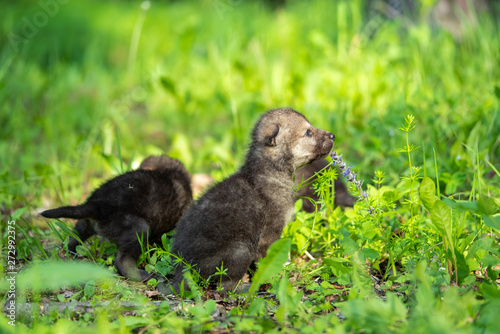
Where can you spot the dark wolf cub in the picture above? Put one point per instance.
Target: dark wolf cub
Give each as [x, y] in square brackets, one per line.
[146, 202]
[234, 223]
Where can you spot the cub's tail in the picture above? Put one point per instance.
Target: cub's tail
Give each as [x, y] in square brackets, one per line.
[76, 212]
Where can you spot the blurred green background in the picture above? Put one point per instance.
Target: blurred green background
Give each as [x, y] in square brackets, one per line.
[89, 88]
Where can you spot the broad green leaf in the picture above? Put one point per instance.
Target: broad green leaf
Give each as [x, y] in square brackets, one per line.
[257, 307]
[390, 196]
[493, 222]
[433, 227]
[339, 264]
[485, 244]
[350, 247]
[164, 241]
[441, 217]
[484, 206]
[337, 259]
[428, 193]
[489, 259]
[462, 268]
[487, 206]
[130, 322]
[492, 274]
[89, 289]
[272, 264]
[203, 311]
[489, 291]
[53, 275]
[370, 253]
[462, 205]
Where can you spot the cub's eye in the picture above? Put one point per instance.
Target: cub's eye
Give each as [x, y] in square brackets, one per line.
[309, 133]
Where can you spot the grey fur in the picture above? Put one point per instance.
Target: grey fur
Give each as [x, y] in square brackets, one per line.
[236, 221]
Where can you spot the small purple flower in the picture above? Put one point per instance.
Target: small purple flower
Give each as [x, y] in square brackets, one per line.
[351, 177]
[346, 172]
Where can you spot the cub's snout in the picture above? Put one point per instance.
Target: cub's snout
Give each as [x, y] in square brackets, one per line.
[323, 144]
[328, 139]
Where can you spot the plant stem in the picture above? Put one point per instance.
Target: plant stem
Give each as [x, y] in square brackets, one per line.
[411, 178]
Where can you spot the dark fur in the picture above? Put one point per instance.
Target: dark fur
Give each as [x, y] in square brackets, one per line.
[147, 202]
[236, 221]
[342, 196]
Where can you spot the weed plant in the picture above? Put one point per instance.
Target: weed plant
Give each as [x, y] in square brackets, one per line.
[415, 111]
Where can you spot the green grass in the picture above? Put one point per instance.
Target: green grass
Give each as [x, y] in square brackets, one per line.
[79, 103]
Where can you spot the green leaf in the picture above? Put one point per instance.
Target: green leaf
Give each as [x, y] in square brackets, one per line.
[390, 196]
[372, 315]
[282, 312]
[497, 92]
[130, 322]
[18, 213]
[492, 274]
[487, 206]
[484, 244]
[89, 289]
[441, 217]
[484, 206]
[370, 253]
[433, 227]
[339, 264]
[428, 193]
[272, 264]
[168, 85]
[462, 268]
[350, 247]
[493, 222]
[257, 307]
[164, 241]
[53, 275]
[462, 205]
[203, 311]
[490, 291]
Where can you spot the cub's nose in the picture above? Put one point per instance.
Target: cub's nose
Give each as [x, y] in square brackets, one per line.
[331, 136]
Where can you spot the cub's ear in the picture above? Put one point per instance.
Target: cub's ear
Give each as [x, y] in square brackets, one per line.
[271, 132]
